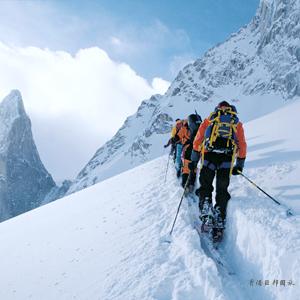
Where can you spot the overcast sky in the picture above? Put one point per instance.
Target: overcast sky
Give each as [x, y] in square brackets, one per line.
[84, 66]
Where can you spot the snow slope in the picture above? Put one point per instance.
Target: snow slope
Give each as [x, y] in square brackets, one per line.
[274, 153]
[105, 242]
[259, 235]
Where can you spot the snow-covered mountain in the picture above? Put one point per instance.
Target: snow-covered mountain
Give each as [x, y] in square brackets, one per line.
[262, 58]
[24, 181]
[257, 68]
[106, 242]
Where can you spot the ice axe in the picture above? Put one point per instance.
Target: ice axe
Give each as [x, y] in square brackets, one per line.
[288, 211]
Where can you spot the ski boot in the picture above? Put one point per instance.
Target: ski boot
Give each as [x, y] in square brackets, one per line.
[206, 216]
[218, 226]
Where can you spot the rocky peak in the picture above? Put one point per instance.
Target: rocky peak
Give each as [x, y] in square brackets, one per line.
[24, 181]
[278, 18]
[12, 106]
[10, 109]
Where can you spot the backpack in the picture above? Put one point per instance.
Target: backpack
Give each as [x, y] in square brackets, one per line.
[220, 135]
[194, 121]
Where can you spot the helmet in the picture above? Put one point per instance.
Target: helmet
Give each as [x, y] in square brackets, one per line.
[194, 121]
[223, 103]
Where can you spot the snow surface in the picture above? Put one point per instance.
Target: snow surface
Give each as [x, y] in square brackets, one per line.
[274, 153]
[106, 242]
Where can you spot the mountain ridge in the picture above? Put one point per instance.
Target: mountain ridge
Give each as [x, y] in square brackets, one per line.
[240, 70]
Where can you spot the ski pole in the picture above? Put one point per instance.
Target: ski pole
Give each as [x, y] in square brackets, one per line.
[272, 198]
[184, 190]
[167, 167]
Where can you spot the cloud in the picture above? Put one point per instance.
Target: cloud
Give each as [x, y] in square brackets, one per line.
[147, 44]
[160, 84]
[75, 102]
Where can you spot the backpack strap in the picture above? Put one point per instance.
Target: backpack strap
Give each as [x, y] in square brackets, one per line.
[215, 127]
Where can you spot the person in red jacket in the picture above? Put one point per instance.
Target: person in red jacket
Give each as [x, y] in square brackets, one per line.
[219, 139]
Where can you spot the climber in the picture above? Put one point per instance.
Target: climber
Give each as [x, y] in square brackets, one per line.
[219, 139]
[174, 138]
[187, 134]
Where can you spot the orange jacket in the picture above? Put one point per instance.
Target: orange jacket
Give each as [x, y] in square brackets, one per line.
[176, 128]
[241, 146]
[184, 134]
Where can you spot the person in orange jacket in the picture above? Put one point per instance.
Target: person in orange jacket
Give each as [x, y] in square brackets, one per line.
[182, 137]
[187, 134]
[174, 138]
[219, 139]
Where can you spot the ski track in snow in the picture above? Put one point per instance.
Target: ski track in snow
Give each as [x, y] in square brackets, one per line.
[231, 283]
[230, 280]
[260, 242]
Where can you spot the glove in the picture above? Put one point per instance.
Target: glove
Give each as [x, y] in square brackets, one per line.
[192, 165]
[165, 146]
[236, 170]
[239, 166]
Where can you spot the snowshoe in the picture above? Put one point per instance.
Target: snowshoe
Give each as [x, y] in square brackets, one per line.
[207, 223]
[217, 234]
[218, 226]
[206, 216]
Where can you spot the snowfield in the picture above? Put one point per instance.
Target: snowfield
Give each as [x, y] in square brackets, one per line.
[106, 241]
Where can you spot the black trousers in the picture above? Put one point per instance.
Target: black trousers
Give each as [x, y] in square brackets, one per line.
[215, 164]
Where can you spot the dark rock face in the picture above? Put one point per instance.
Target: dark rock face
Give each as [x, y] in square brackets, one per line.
[24, 181]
